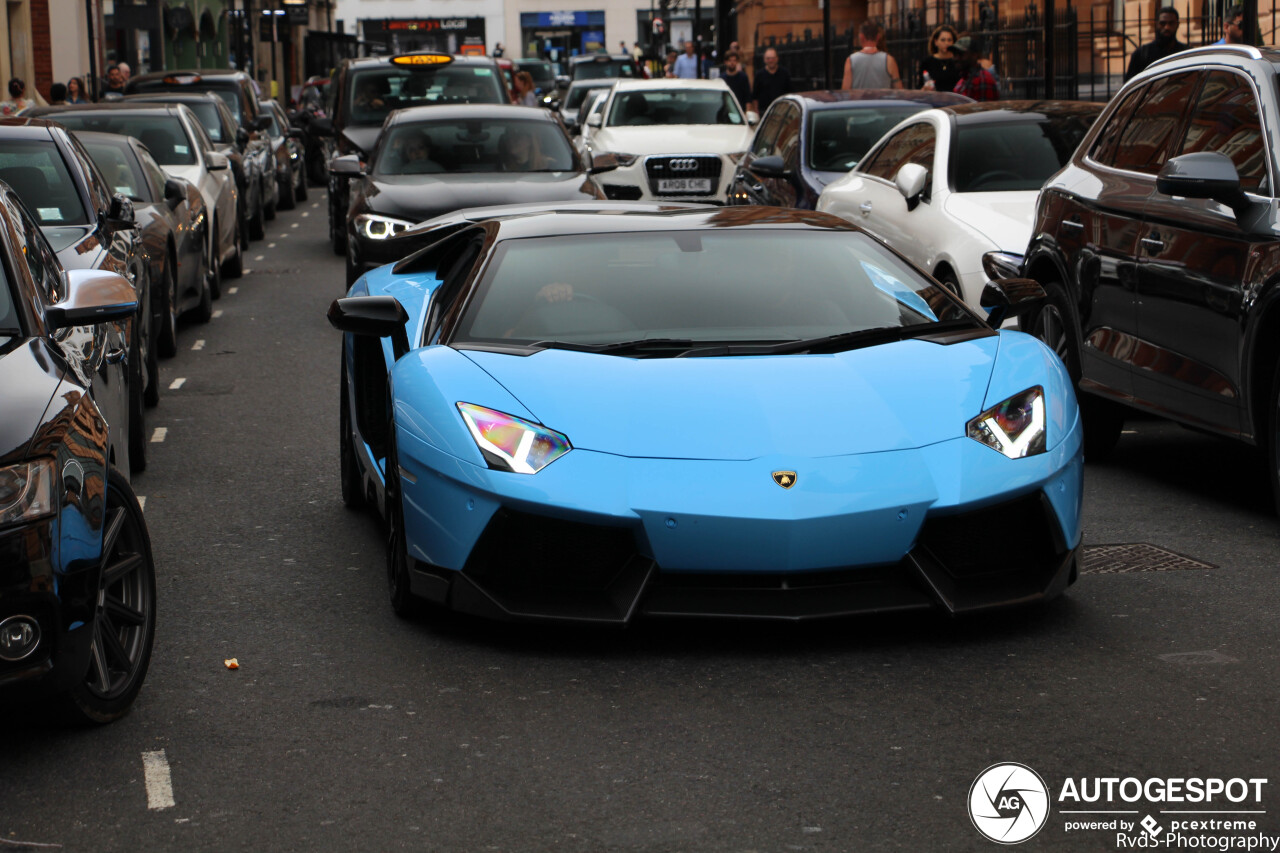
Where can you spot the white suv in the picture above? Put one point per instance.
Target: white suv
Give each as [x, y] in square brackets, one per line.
[674, 140]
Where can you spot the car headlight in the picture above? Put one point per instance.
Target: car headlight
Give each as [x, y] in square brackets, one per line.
[1015, 427]
[625, 159]
[26, 491]
[379, 227]
[513, 444]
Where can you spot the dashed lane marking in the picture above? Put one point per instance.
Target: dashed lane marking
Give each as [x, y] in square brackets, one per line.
[177, 383]
[271, 245]
[217, 313]
[142, 502]
[315, 204]
[159, 434]
[233, 290]
[293, 225]
[259, 257]
[198, 345]
[247, 271]
[159, 783]
[305, 214]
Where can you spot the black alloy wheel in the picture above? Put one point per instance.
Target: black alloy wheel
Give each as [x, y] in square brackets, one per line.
[125, 618]
[168, 338]
[352, 482]
[137, 412]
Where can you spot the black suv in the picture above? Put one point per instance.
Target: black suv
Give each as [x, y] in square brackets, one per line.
[1158, 247]
[365, 91]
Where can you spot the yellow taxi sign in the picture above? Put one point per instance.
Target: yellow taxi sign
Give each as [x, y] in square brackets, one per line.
[422, 59]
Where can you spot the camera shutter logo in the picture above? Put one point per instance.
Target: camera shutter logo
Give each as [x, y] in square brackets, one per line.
[1008, 803]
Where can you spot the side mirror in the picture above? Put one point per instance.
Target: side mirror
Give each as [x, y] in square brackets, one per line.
[175, 192]
[604, 163]
[262, 122]
[242, 137]
[910, 181]
[772, 166]
[296, 133]
[595, 120]
[753, 118]
[93, 296]
[321, 126]
[1011, 297]
[376, 316]
[120, 215]
[1204, 174]
[215, 161]
[348, 165]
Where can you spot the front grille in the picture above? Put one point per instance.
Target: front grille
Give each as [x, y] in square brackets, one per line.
[1008, 538]
[523, 553]
[682, 166]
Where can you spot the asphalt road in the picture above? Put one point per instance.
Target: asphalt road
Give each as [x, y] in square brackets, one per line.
[347, 728]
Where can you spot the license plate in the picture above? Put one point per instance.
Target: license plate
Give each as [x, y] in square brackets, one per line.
[684, 185]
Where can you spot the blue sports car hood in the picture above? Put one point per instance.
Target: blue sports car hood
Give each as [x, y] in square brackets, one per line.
[892, 397]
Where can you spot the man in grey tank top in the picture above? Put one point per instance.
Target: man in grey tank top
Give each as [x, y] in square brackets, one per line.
[871, 67]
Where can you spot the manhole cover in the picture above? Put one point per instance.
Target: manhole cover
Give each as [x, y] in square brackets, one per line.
[1140, 557]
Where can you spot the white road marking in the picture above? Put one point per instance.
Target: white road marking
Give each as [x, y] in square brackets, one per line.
[159, 784]
[177, 383]
[305, 214]
[271, 245]
[217, 313]
[247, 271]
[26, 844]
[315, 204]
[198, 345]
[259, 257]
[233, 290]
[293, 225]
[286, 234]
[159, 435]
[142, 501]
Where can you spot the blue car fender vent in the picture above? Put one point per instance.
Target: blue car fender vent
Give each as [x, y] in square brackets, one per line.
[536, 567]
[1012, 553]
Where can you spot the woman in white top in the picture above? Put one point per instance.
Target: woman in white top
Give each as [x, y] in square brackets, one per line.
[871, 68]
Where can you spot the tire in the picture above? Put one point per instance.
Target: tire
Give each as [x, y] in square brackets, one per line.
[168, 337]
[233, 268]
[1056, 326]
[137, 413]
[151, 396]
[287, 199]
[352, 482]
[257, 226]
[125, 621]
[302, 186]
[337, 228]
[211, 279]
[948, 280]
[403, 602]
[353, 268]
[269, 208]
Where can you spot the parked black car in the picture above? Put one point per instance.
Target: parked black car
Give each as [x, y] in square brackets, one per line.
[172, 222]
[77, 590]
[289, 157]
[89, 226]
[256, 187]
[1159, 248]
[435, 160]
[806, 140]
[365, 91]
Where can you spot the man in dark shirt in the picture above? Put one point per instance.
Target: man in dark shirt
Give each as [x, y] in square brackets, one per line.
[1166, 43]
[735, 77]
[771, 82]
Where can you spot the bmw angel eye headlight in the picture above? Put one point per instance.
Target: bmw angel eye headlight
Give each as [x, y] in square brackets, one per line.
[513, 444]
[26, 491]
[1015, 427]
[379, 227]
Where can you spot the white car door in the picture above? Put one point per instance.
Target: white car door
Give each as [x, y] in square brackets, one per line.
[870, 198]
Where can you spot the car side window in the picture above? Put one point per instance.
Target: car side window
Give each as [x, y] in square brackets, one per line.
[155, 177]
[1225, 119]
[1104, 146]
[98, 188]
[762, 146]
[1156, 124]
[39, 257]
[788, 142]
[913, 144]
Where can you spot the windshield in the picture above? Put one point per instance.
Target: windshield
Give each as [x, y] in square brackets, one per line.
[840, 138]
[674, 106]
[544, 76]
[595, 69]
[699, 287]
[474, 145]
[162, 134]
[228, 93]
[207, 113]
[114, 163]
[578, 95]
[375, 92]
[36, 172]
[1005, 156]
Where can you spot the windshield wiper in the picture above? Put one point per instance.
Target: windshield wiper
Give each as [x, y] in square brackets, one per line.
[838, 342]
[619, 347]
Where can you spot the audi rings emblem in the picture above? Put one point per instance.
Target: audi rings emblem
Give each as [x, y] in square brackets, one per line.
[684, 164]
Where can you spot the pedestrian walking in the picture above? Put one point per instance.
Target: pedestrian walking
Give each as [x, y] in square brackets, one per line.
[975, 81]
[941, 68]
[735, 76]
[871, 67]
[772, 81]
[1164, 44]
